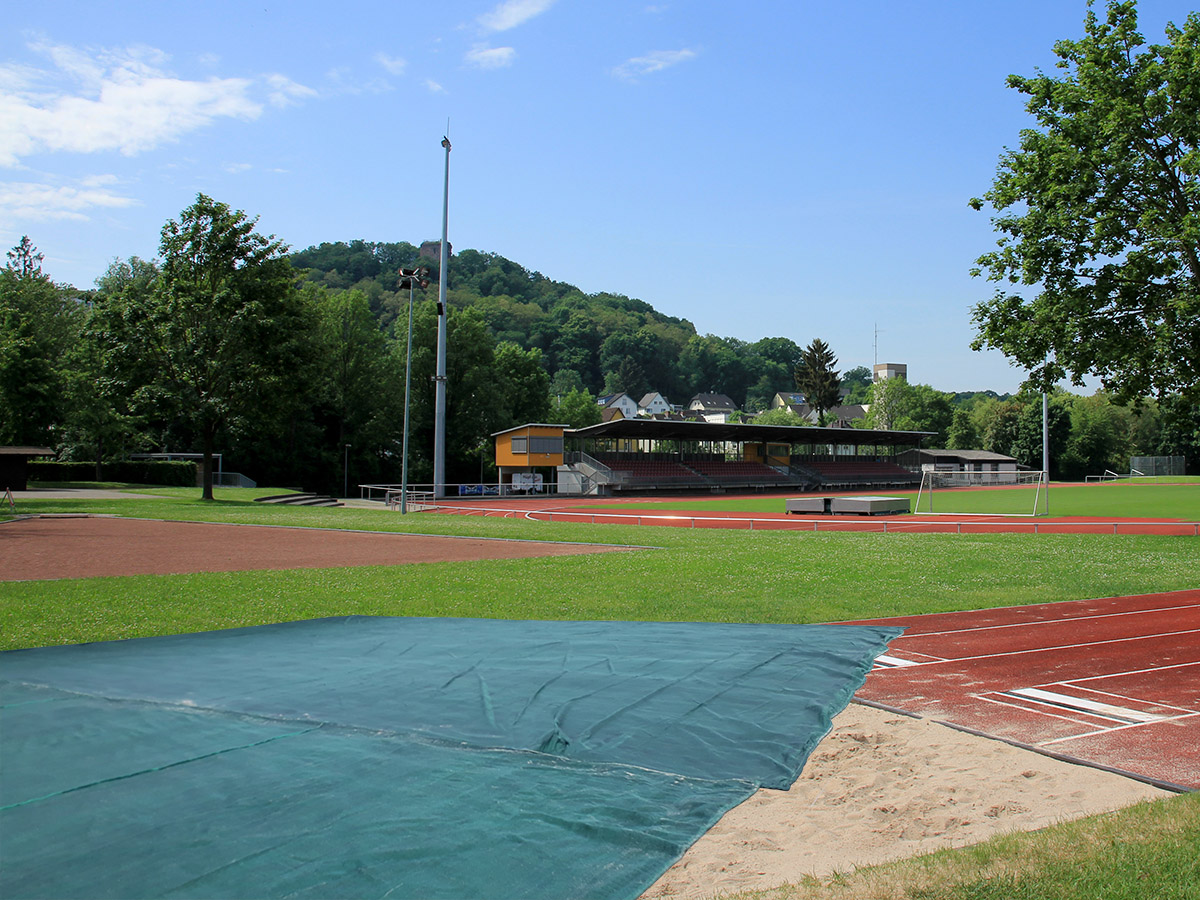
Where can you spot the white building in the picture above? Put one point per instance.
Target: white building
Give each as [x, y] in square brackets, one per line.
[623, 402]
[653, 404]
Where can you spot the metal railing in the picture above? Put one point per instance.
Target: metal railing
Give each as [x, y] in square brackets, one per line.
[484, 491]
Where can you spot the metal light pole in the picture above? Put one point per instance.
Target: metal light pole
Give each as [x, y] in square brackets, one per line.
[412, 277]
[439, 415]
[346, 474]
[1046, 446]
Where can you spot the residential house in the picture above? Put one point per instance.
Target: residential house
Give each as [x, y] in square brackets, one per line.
[653, 404]
[713, 407]
[626, 404]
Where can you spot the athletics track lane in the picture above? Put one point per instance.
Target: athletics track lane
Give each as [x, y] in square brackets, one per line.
[1112, 681]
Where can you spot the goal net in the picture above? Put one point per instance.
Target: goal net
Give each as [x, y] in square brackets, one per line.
[983, 493]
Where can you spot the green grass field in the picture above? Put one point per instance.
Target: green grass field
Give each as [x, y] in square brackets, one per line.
[1105, 500]
[680, 575]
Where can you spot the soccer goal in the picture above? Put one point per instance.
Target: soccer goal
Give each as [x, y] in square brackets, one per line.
[983, 493]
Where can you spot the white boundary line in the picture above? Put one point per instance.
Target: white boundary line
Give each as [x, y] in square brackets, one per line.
[1131, 612]
[1182, 665]
[1102, 731]
[1126, 697]
[1091, 707]
[1038, 712]
[1140, 637]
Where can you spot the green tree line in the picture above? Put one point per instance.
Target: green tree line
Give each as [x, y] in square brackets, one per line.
[292, 365]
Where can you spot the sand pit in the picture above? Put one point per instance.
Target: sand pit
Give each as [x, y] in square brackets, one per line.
[882, 787]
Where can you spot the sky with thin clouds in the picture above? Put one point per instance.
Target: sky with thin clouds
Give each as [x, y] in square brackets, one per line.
[772, 168]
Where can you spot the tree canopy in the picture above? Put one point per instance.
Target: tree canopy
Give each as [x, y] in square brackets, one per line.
[217, 335]
[38, 326]
[1099, 214]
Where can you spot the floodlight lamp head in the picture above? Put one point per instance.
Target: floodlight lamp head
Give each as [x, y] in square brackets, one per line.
[446, 142]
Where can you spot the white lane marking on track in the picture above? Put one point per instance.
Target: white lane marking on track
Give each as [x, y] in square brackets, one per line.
[1066, 701]
[1101, 731]
[893, 662]
[1040, 712]
[1140, 637]
[1126, 696]
[1132, 612]
[1132, 672]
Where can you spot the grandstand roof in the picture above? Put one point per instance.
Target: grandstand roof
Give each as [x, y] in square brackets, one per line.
[672, 430]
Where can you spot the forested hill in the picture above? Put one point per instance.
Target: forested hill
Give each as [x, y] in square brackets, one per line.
[599, 342]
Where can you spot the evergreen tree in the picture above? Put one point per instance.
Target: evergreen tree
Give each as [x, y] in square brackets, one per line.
[817, 379]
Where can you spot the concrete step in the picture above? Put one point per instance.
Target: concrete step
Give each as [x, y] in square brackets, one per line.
[300, 500]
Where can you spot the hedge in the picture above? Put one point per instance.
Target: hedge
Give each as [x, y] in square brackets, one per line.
[164, 472]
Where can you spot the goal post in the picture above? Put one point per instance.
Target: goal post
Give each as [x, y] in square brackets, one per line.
[1007, 493]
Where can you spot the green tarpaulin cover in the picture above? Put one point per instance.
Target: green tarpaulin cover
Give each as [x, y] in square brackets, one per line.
[396, 757]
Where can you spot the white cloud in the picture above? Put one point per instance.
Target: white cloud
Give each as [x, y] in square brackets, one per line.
[237, 168]
[634, 68]
[512, 13]
[342, 80]
[433, 87]
[124, 100]
[393, 64]
[285, 92]
[483, 57]
[24, 201]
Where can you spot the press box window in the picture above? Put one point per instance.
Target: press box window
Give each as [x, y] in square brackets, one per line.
[518, 445]
[545, 445]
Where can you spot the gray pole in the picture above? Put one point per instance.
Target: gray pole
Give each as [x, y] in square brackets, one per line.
[439, 416]
[1045, 435]
[407, 382]
[1046, 446]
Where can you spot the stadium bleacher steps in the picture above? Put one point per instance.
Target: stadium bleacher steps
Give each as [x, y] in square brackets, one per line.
[300, 500]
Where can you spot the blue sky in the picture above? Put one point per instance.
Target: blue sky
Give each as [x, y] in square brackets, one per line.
[767, 168]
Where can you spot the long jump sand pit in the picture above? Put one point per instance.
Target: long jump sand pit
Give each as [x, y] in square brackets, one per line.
[883, 786]
[86, 547]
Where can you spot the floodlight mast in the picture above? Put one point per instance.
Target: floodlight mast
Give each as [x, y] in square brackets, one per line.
[439, 415]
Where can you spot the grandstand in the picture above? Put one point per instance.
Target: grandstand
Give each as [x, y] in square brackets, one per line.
[643, 455]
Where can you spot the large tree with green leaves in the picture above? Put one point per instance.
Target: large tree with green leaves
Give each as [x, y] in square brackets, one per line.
[215, 339]
[39, 327]
[817, 378]
[1098, 213]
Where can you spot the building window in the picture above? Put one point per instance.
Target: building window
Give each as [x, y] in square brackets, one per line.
[545, 445]
[518, 444]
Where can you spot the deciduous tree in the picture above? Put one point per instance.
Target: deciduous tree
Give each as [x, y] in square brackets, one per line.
[1098, 212]
[216, 335]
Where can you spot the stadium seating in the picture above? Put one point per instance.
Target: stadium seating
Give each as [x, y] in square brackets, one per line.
[862, 472]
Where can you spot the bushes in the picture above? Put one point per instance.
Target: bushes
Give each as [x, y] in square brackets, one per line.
[173, 474]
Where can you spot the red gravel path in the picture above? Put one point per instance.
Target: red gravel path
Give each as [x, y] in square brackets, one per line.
[82, 547]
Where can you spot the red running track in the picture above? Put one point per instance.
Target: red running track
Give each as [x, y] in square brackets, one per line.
[1114, 681]
[609, 511]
